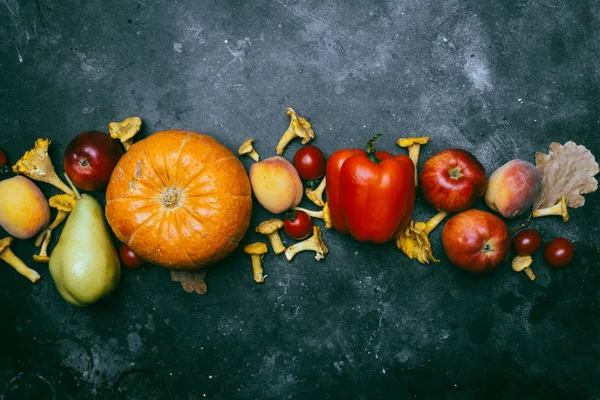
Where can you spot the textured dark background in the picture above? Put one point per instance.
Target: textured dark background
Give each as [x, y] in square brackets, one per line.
[502, 79]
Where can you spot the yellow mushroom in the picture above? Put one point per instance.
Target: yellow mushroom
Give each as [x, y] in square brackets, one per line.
[248, 149]
[36, 164]
[559, 208]
[316, 195]
[414, 240]
[323, 214]
[414, 148]
[523, 263]
[269, 228]
[64, 203]
[11, 259]
[125, 130]
[299, 127]
[314, 243]
[257, 251]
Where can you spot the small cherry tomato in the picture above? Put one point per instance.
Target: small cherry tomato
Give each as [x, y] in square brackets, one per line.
[297, 224]
[310, 163]
[559, 252]
[129, 258]
[527, 242]
[2, 159]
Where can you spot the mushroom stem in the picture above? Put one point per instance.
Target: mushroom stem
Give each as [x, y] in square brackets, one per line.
[316, 195]
[435, 221]
[60, 217]
[11, 259]
[413, 145]
[276, 243]
[559, 208]
[257, 267]
[43, 256]
[323, 214]
[522, 264]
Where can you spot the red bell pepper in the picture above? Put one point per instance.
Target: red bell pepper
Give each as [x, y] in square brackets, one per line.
[370, 194]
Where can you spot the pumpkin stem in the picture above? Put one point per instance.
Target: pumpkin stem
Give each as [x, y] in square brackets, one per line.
[170, 197]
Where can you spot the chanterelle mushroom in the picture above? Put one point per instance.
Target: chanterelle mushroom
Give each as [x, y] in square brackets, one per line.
[36, 164]
[414, 148]
[269, 228]
[316, 195]
[125, 130]
[11, 259]
[314, 243]
[323, 214]
[248, 149]
[299, 127]
[523, 263]
[257, 251]
[559, 208]
[64, 203]
[414, 240]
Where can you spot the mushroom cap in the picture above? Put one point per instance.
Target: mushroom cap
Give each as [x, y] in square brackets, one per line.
[519, 263]
[126, 129]
[256, 248]
[405, 142]
[246, 147]
[41, 259]
[269, 226]
[63, 202]
[6, 242]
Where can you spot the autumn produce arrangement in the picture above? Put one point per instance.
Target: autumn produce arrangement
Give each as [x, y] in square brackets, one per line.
[183, 201]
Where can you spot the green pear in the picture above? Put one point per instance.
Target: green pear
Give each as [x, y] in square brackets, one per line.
[84, 264]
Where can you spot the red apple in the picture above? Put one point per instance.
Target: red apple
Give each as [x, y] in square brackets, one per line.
[476, 240]
[90, 159]
[453, 180]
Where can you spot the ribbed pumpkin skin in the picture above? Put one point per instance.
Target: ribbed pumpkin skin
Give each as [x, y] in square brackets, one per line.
[179, 199]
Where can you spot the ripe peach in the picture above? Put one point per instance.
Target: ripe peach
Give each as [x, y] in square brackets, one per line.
[513, 187]
[276, 184]
[24, 210]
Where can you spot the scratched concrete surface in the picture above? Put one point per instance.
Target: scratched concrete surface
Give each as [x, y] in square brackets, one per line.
[502, 79]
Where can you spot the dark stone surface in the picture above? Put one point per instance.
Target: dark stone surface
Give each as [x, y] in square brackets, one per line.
[502, 79]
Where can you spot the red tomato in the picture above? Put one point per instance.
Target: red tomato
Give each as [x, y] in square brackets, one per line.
[310, 163]
[559, 252]
[2, 159]
[527, 242]
[297, 225]
[129, 258]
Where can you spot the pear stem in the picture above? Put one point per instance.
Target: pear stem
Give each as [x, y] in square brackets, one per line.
[77, 194]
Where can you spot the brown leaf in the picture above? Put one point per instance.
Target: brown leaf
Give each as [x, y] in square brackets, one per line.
[191, 281]
[566, 171]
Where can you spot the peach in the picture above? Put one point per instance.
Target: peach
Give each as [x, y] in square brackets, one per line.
[512, 188]
[276, 184]
[24, 210]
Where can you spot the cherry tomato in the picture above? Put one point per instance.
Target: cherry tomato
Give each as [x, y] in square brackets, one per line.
[559, 252]
[129, 258]
[2, 159]
[310, 163]
[527, 242]
[297, 225]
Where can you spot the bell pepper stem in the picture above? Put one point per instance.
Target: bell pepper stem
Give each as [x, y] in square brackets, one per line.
[371, 148]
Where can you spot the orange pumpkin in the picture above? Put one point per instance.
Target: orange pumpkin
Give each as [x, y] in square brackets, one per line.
[179, 199]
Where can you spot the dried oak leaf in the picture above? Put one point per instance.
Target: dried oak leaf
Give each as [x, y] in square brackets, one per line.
[191, 281]
[566, 171]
